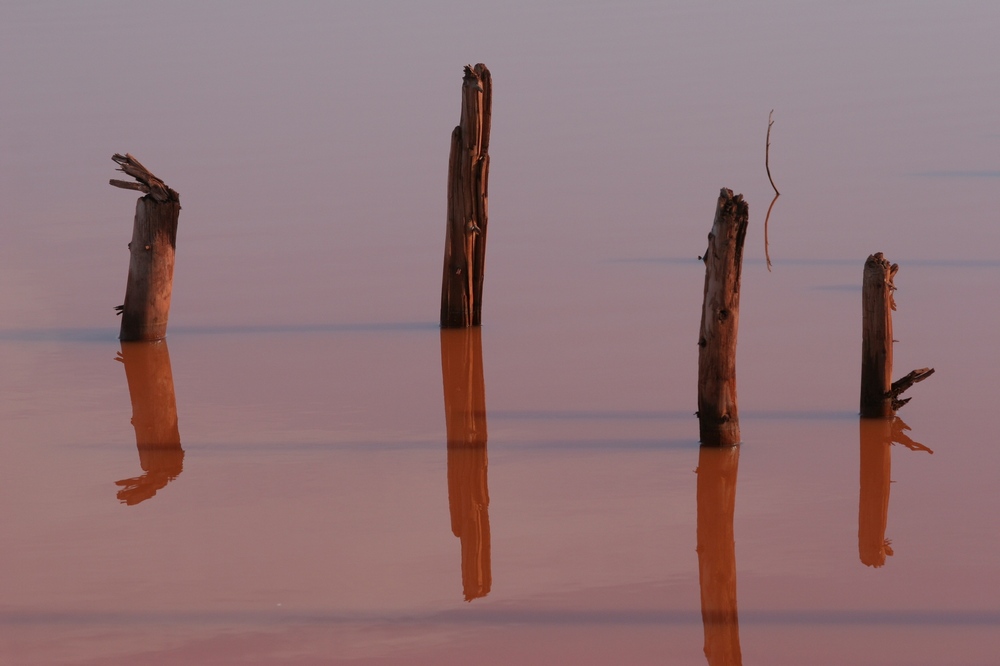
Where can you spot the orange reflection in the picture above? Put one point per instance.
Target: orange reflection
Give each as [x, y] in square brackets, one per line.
[465, 417]
[877, 435]
[154, 417]
[717, 468]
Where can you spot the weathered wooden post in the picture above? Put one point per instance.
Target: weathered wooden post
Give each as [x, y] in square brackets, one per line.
[465, 419]
[151, 264]
[154, 417]
[468, 175]
[720, 313]
[879, 395]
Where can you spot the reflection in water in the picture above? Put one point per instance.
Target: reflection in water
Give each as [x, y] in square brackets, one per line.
[465, 416]
[717, 468]
[154, 416]
[877, 435]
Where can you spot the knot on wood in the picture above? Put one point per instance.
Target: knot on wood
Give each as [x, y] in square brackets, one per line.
[723, 315]
[702, 342]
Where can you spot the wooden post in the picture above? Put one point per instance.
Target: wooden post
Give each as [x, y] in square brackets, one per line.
[468, 175]
[151, 264]
[717, 470]
[720, 313]
[154, 417]
[879, 395]
[877, 304]
[465, 419]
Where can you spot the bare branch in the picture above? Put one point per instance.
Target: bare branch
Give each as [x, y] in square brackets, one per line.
[767, 166]
[904, 383]
[767, 218]
[767, 151]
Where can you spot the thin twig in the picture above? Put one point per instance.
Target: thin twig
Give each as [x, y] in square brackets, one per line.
[767, 218]
[767, 166]
[767, 151]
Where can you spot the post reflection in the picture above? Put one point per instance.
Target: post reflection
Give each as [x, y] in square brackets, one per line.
[154, 417]
[717, 468]
[877, 435]
[465, 417]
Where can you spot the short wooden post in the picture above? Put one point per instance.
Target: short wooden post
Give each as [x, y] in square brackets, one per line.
[717, 471]
[154, 417]
[879, 395]
[468, 175]
[468, 491]
[718, 415]
[151, 264]
[877, 304]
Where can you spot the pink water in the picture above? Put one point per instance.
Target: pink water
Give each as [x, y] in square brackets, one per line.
[311, 510]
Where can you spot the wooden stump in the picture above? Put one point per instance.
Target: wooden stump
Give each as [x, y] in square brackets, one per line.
[465, 419]
[718, 415]
[151, 263]
[879, 395]
[717, 471]
[468, 175]
[154, 417]
[877, 304]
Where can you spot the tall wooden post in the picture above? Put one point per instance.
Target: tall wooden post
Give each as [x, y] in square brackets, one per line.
[879, 394]
[718, 415]
[468, 175]
[468, 491]
[151, 263]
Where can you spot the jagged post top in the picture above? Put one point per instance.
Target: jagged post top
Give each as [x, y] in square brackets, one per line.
[732, 204]
[734, 209]
[878, 263]
[148, 183]
[480, 80]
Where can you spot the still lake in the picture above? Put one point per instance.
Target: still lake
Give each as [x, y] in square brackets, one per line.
[303, 505]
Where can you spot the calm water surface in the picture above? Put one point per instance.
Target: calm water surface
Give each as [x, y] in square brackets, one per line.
[309, 472]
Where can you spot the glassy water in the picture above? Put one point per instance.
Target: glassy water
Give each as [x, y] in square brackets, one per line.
[308, 471]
